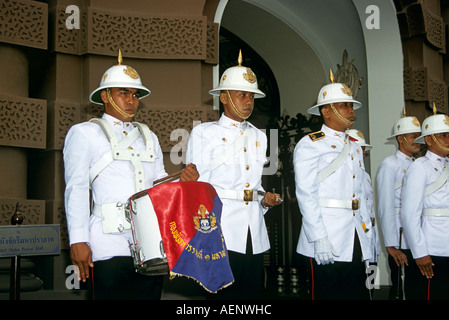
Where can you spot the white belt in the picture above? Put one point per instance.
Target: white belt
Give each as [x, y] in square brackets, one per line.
[436, 212]
[243, 195]
[338, 203]
[113, 217]
[99, 208]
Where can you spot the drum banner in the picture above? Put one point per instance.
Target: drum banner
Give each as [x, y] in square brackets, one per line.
[189, 216]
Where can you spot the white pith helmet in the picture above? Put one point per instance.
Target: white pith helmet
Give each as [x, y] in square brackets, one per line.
[405, 125]
[359, 138]
[333, 93]
[437, 123]
[119, 76]
[238, 78]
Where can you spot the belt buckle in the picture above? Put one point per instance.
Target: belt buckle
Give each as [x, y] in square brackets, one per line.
[247, 195]
[355, 204]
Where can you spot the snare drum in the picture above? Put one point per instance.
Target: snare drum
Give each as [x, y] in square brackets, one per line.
[147, 248]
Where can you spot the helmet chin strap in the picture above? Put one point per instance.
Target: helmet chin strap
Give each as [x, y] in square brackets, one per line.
[235, 109]
[339, 116]
[410, 145]
[116, 107]
[439, 143]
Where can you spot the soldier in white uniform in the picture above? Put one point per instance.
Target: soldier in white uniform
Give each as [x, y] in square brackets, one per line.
[389, 180]
[425, 213]
[329, 177]
[230, 154]
[112, 158]
[359, 138]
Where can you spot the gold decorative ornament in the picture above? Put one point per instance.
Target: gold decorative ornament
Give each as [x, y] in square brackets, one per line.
[324, 94]
[346, 90]
[331, 75]
[415, 121]
[249, 76]
[315, 136]
[129, 71]
[120, 58]
[360, 134]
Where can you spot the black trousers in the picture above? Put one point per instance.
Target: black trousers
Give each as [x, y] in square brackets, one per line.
[116, 279]
[248, 271]
[340, 280]
[418, 287]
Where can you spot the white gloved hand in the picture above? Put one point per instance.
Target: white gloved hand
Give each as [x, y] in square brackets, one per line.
[324, 252]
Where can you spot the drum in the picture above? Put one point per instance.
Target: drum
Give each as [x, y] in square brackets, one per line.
[147, 248]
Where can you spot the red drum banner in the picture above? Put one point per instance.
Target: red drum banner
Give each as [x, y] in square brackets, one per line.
[189, 216]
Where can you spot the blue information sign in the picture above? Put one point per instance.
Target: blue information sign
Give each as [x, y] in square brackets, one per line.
[29, 240]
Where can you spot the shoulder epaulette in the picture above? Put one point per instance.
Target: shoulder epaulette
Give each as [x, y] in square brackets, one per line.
[317, 135]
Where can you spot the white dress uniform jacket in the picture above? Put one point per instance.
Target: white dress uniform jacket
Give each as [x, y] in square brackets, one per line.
[390, 177]
[84, 145]
[426, 234]
[209, 142]
[346, 183]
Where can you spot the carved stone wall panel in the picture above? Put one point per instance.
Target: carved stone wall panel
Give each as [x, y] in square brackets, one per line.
[69, 40]
[411, 21]
[213, 115]
[419, 86]
[33, 211]
[435, 29]
[61, 117]
[438, 93]
[23, 122]
[416, 19]
[164, 122]
[146, 36]
[212, 43]
[408, 83]
[24, 23]
[154, 37]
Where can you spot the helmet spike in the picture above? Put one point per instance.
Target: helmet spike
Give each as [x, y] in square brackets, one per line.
[331, 76]
[434, 109]
[240, 59]
[404, 114]
[120, 58]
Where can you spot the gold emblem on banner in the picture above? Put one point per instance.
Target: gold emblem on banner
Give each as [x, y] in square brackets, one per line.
[205, 222]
